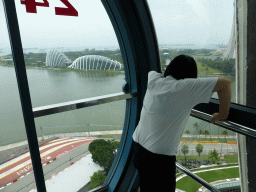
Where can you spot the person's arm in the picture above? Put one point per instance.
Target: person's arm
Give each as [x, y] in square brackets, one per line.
[225, 99]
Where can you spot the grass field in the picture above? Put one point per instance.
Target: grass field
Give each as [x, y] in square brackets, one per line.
[190, 185]
[232, 158]
[205, 168]
[226, 158]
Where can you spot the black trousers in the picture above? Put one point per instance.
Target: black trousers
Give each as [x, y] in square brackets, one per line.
[156, 172]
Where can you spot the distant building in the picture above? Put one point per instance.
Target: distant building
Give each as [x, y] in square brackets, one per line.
[55, 58]
[230, 51]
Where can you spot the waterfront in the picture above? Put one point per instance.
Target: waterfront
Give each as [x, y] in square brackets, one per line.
[49, 86]
[55, 86]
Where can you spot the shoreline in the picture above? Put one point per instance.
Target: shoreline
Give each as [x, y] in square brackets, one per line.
[65, 69]
[76, 134]
[68, 69]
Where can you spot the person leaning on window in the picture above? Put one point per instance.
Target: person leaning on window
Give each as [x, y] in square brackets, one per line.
[166, 108]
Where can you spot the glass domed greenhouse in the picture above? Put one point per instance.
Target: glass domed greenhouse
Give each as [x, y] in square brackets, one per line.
[95, 62]
[55, 58]
[89, 62]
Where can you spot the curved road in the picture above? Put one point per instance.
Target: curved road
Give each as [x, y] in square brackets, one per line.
[60, 152]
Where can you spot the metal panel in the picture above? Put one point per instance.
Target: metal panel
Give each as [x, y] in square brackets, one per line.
[241, 52]
[121, 171]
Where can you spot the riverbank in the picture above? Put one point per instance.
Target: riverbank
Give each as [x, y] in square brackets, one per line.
[58, 68]
[76, 134]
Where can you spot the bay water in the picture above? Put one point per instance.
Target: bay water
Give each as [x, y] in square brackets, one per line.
[53, 86]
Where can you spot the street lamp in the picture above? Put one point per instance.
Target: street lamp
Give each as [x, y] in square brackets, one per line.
[42, 132]
[166, 58]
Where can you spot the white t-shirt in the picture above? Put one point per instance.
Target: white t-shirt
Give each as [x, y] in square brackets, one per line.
[166, 108]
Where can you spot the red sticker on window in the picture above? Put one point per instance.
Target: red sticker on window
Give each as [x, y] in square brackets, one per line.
[31, 7]
[70, 11]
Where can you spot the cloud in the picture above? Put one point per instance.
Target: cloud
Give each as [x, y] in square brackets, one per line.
[199, 9]
[179, 17]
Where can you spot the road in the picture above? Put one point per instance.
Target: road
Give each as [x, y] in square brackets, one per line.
[63, 158]
[25, 184]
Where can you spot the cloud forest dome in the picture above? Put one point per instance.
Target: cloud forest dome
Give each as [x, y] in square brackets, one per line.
[55, 58]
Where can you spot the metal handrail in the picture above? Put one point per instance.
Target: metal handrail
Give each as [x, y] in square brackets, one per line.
[225, 123]
[82, 103]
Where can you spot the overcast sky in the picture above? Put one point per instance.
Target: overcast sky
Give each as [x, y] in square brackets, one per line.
[176, 22]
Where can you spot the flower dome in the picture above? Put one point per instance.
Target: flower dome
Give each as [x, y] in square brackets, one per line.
[95, 62]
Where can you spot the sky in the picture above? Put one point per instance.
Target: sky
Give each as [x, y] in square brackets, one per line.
[175, 21]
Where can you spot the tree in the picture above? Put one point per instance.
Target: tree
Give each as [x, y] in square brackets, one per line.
[185, 164]
[187, 132]
[186, 51]
[213, 155]
[225, 133]
[96, 143]
[196, 126]
[199, 149]
[104, 156]
[200, 132]
[218, 133]
[206, 132]
[184, 150]
[210, 134]
[97, 179]
[114, 144]
[103, 152]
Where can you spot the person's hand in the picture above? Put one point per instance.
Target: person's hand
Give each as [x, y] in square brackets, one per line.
[216, 117]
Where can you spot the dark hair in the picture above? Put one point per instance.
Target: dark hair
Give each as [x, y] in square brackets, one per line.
[182, 67]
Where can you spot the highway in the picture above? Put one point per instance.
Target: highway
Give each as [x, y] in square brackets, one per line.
[62, 153]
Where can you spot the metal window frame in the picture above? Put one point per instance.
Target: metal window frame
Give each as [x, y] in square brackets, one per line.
[124, 17]
[21, 76]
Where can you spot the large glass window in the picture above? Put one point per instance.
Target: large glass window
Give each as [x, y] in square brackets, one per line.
[14, 150]
[71, 52]
[205, 31]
